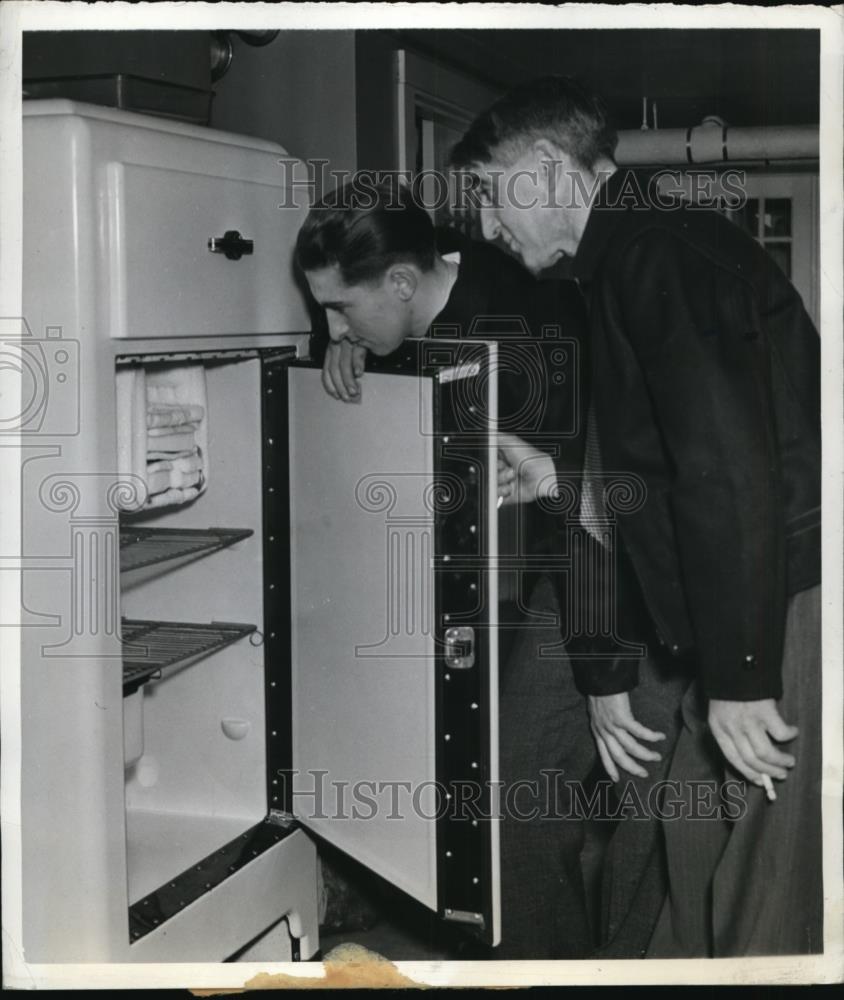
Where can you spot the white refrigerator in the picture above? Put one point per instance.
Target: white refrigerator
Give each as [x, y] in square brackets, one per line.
[299, 646]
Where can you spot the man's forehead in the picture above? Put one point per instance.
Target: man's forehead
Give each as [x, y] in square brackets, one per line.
[502, 163]
[327, 285]
[327, 282]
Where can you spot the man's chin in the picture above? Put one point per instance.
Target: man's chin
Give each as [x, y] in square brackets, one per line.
[534, 263]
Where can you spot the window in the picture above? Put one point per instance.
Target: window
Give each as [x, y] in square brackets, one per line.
[435, 106]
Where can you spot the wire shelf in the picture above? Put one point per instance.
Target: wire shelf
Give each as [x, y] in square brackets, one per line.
[150, 646]
[146, 546]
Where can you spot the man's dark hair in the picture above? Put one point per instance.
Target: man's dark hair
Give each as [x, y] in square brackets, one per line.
[366, 228]
[558, 108]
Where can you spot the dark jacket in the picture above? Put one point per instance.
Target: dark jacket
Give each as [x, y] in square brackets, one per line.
[539, 326]
[706, 382]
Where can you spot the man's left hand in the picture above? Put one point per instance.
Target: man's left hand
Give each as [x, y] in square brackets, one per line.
[745, 730]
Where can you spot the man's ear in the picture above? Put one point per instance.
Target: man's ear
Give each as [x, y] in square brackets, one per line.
[404, 281]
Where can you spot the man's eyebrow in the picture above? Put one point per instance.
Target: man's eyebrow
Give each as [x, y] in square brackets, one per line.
[338, 304]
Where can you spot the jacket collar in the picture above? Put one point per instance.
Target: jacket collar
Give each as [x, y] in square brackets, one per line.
[614, 201]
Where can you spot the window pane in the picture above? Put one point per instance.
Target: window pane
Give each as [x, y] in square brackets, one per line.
[777, 217]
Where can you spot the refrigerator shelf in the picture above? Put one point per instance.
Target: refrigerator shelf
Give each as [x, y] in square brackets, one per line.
[146, 546]
[149, 646]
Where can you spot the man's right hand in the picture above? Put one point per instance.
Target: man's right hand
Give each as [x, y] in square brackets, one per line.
[524, 472]
[342, 370]
[747, 733]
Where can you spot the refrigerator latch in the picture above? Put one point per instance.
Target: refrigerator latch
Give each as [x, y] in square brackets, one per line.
[460, 647]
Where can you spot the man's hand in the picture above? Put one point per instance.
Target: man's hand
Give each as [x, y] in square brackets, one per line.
[524, 473]
[744, 731]
[342, 369]
[617, 734]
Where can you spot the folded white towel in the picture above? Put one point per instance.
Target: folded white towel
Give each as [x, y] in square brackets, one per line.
[158, 482]
[181, 385]
[154, 433]
[189, 463]
[165, 465]
[179, 441]
[173, 496]
[169, 456]
[181, 480]
[173, 414]
[162, 431]
[160, 391]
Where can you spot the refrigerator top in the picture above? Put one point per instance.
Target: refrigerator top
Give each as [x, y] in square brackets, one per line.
[61, 107]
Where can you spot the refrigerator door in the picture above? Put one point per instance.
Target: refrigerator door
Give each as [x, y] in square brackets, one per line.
[393, 617]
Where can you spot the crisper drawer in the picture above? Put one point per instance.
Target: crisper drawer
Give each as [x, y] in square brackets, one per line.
[280, 881]
[162, 278]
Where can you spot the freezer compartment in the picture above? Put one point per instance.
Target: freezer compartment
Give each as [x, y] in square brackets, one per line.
[153, 203]
[234, 266]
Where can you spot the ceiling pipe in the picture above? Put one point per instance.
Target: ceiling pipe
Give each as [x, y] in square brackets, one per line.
[716, 143]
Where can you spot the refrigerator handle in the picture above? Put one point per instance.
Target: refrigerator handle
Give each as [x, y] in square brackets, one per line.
[232, 244]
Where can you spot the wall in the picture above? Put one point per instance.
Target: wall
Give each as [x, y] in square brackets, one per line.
[299, 91]
[375, 100]
[180, 57]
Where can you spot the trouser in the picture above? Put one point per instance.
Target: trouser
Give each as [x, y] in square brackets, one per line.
[752, 886]
[544, 727]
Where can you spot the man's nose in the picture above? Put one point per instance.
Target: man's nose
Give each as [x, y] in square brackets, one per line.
[337, 325]
[490, 225]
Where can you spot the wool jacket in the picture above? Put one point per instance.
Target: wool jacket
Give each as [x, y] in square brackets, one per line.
[706, 386]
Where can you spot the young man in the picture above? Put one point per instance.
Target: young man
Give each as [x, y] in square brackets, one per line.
[705, 384]
[382, 273]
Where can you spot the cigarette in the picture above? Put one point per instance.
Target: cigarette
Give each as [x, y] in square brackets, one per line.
[500, 502]
[768, 785]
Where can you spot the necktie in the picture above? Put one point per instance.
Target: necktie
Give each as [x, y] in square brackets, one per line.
[593, 510]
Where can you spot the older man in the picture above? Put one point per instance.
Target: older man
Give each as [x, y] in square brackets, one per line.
[705, 384]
